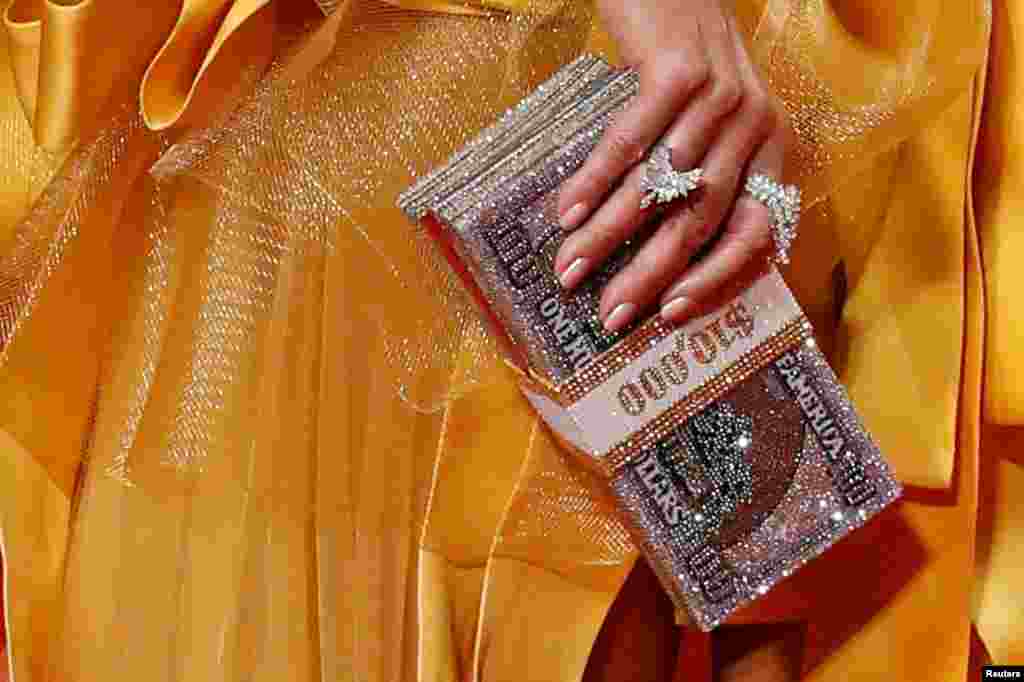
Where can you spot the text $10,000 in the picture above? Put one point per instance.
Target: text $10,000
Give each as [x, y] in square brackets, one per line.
[702, 347]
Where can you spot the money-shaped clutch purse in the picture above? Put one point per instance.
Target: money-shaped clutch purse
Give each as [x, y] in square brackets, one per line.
[731, 450]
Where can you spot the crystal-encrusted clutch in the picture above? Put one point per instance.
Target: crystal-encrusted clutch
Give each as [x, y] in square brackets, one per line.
[732, 451]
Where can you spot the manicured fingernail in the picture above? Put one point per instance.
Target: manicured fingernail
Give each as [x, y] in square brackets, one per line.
[621, 316]
[572, 218]
[574, 274]
[676, 308]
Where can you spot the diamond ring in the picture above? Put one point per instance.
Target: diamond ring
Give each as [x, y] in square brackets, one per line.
[661, 183]
[783, 203]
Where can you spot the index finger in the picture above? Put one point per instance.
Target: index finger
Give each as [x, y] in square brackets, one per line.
[627, 140]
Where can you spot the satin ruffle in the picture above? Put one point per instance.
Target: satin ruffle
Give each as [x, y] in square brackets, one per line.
[59, 47]
[59, 50]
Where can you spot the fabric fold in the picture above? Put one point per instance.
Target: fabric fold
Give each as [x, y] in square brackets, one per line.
[201, 32]
[997, 180]
[71, 57]
[24, 29]
[458, 538]
[69, 94]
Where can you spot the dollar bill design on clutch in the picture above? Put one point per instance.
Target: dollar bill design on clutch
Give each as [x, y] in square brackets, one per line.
[733, 452]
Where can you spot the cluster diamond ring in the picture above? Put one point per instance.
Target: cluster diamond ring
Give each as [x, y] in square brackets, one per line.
[663, 184]
[783, 203]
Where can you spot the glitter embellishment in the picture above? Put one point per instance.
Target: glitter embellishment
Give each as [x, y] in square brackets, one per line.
[496, 199]
[736, 373]
[732, 452]
[661, 183]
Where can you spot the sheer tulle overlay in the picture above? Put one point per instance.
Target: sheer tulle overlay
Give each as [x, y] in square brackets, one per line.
[254, 429]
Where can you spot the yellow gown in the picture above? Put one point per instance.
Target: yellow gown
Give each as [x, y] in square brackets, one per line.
[251, 429]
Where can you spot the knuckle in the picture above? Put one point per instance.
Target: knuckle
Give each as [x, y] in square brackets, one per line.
[680, 75]
[606, 236]
[699, 233]
[726, 97]
[753, 234]
[597, 176]
[675, 226]
[592, 181]
[638, 275]
[691, 232]
[760, 109]
[653, 269]
[710, 209]
[657, 255]
[623, 146]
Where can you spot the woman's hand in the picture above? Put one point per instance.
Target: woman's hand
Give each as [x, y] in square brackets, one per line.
[699, 94]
